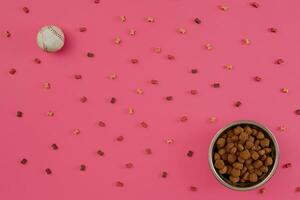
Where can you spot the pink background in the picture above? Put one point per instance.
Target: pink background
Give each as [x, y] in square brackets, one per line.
[31, 136]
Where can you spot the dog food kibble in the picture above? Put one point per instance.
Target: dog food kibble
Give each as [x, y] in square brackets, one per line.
[243, 154]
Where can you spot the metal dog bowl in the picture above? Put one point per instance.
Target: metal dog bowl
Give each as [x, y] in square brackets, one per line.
[245, 186]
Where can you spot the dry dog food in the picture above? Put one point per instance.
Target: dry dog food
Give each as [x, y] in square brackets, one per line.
[243, 154]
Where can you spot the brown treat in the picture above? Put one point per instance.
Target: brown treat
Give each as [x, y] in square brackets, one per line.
[238, 130]
[246, 176]
[287, 165]
[221, 143]
[254, 155]
[230, 133]
[245, 154]
[261, 152]
[235, 138]
[243, 137]
[241, 160]
[221, 151]
[235, 172]
[229, 140]
[224, 156]
[24, 161]
[229, 146]
[248, 130]
[254, 132]
[258, 148]
[223, 171]
[258, 172]
[217, 156]
[237, 165]
[248, 162]
[231, 158]
[251, 170]
[253, 177]
[240, 147]
[244, 170]
[249, 145]
[234, 179]
[257, 164]
[263, 169]
[250, 167]
[260, 135]
[263, 158]
[265, 142]
[268, 150]
[190, 153]
[219, 164]
[251, 139]
[256, 143]
[233, 150]
[268, 161]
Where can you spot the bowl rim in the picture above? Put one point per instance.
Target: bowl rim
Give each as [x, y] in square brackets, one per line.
[234, 123]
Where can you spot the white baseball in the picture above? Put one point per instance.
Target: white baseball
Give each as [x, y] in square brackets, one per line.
[50, 38]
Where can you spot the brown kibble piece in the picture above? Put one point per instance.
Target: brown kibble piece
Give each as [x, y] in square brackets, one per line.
[249, 145]
[221, 151]
[224, 170]
[231, 158]
[240, 147]
[261, 152]
[254, 155]
[245, 154]
[268, 150]
[265, 143]
[234, 179]
[263, 169]
[238, 130]
[235, 172]
[237, 165]
[221, 142]
[253, 177]
[217, 156]
[268, 161]
[257, 164]
[219, 164]
[260, 135]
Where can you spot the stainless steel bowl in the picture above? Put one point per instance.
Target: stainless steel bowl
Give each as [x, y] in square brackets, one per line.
[244, 186]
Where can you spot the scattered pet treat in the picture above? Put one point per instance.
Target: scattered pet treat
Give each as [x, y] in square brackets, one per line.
[129, 165]
[118, 40]
[100, 153]
[182, 30]
[50, 38]
[228, 66]
[54, 146]
[237, 104]
[208, 47]
[169, 98]
[169, 141]
[82, 167]
[287, 165]
[284, 90]
[47, 85]
[154, 82]
[77, 76]
[19, 114]
[190, 153]
[25, 9]
[157, 50]
[119, 184]
[148, 151]
[144, 124]
[246, 41]
[223, 7]
[134, 61]
[193, 188]
[123, 18]
[83, 99]
[282, 128]
[48, 171]
[257, 78]
[90, 54]
[132, 32]
[194, 71]
[101, 124]
[120, 138]
[7, 34]
[164, 174]
[96, 1]
[76, 131]
[12, 71]
[254, 4]
[279, 61]
[212, 119]
[50, 114]
[113, 76]
[243, 154]
[297, 189]
[170, 57]
[113, 100]
[297, 112]
[150, 19]
[197, 20]
[37, 61]
[130, 111]
[194, 92]
[24, 161]
[262, 190]
[216, 85]
[273, 30]
[139, 91]
[184, 119]
[82, 29]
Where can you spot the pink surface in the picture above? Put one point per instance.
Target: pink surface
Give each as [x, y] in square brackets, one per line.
[32, 135]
